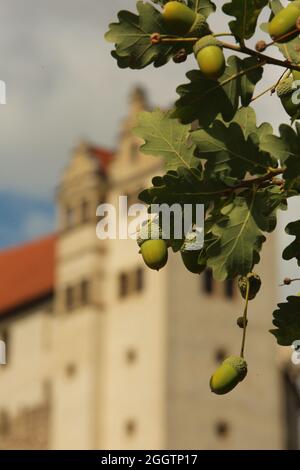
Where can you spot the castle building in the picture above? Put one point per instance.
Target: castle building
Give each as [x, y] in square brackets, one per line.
[105, 354]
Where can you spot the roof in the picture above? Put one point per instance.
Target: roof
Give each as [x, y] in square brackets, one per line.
[103, 156]
[27, 273]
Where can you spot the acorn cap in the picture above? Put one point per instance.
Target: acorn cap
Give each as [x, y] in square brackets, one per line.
[208, 40]
[200, 26]
[192, 242]
[239, 364]
[150, 230]
[285, 87]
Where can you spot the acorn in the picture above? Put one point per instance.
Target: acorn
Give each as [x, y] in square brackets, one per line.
[178, 18]
[285, 22]
[254, 285]
[155, 253]
[191, 251]
[232, 371]
[209, 54]
[285, 92]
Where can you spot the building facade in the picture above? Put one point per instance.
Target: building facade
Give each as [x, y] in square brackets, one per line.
[105, 354]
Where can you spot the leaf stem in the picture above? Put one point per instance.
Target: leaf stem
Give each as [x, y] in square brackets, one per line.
[245, 322]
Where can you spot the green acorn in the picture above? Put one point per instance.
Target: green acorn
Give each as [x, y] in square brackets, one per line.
[209, 54]
[285, 22]
[178, 18]
[254, 285]
[191, 251]
[285, 92]
[232, 371]
[296, 74]
[155, 253]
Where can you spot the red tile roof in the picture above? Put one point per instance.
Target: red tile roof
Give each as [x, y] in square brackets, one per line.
[27, 273]
[103, 156]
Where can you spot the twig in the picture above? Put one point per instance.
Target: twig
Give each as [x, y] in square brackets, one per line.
[271, 88]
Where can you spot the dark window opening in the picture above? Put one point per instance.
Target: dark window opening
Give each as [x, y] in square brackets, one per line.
[208, 281]
[130, 427]
[222, 429]
[4, 423]
[70, 298]
[123, 285]
[131, 356]
[85, 292]
[139, 279]
[85, 212]
[220, 355]
[229, 288]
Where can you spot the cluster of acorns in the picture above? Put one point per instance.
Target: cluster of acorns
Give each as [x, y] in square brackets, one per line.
[282, 28]
[180, 20]
[154, 251]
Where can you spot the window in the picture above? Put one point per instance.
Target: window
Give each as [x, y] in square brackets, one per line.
[291, 386]
[208, 281]
[220, 355]
[123, 285]
[70, 298]
[229, 288]
[222, 429]
[4, 422]
[69, 217]
[139, 279]
[85, 211]
[131, 355]
[84, 292]
[130, 427]
[4, 349]
[71, 370]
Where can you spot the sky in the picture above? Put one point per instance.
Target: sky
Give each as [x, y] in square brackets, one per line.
[62, 86]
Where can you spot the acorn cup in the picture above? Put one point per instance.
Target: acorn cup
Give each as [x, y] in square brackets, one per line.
[285, 92]
[285, 22]
[180, 20]
[254, 285]
[232, 371]
[209, 54]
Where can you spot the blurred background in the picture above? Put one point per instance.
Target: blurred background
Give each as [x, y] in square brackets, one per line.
[100, 352]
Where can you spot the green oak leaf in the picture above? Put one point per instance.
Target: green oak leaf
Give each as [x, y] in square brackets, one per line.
[167, 138]
[226, 148]
[183, 186]
[131, 37]
[246, 13]
[286, 148]
[287, 321]
[239, 235]
[293, 250]
[204, 99]
[238, 238]
[204, 7]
